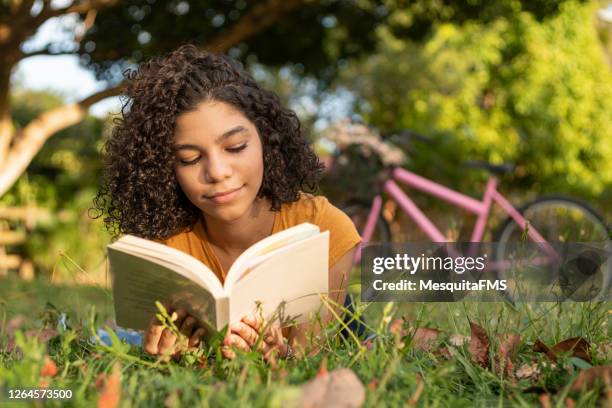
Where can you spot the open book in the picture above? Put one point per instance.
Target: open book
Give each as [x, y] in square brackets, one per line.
[290, 266]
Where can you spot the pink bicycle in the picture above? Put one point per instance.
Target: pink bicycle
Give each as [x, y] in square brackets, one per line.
[545, 220]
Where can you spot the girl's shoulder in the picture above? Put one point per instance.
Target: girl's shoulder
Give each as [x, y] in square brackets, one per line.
[319, 211]
[308, 208]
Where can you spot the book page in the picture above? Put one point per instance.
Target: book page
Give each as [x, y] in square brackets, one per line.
[297, 275]
[265, 248]
[138, 283]
[182, 263]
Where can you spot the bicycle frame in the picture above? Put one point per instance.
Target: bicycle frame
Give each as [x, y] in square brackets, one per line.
[480, 208]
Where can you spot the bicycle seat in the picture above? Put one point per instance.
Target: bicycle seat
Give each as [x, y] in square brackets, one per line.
[498, 169]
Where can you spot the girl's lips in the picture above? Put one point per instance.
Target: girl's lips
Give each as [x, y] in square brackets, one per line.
[225, 197]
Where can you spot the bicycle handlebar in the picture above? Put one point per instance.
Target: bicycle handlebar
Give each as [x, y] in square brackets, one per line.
[493, 168]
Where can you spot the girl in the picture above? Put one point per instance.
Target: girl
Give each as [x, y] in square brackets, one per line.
[207, 162]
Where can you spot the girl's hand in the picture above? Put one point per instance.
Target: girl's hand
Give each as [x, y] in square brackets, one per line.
[162, 341]
[245, 333]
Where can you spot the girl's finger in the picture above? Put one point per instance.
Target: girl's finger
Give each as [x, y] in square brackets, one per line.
[239, 342]
[274, 335]
[253, 320]
[197, 335]
[227, 352]
[152, 336]
[187, 326]
[166, 341]
[178, 316]
[245, 331]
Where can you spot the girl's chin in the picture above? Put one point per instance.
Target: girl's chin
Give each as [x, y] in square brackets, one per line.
[227, 214]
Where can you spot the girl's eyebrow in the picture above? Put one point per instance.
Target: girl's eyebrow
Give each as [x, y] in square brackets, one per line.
[225, 135]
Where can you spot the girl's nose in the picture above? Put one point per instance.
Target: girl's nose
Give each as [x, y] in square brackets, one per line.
[217, 169]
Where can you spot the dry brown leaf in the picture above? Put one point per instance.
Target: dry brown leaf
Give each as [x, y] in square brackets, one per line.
[43, 335]
[424, 338]
[545, 400]
[445, 352]
[338, 388]
[587, 377]
[479, 345]
[604, 351]
[507, 348]
[49, 368]
[528, 371]
[396, 327]
[458, 340]
[577, 345]
[14, 324]
[111, 389]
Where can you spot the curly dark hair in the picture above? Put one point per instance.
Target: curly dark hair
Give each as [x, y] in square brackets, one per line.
[140, 194]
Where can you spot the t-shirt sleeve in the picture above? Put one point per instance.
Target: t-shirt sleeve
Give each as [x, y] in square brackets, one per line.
[343, 235]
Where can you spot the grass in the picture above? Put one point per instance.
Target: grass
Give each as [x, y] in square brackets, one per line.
[392, 370]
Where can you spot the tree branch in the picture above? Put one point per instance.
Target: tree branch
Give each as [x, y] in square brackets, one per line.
[44, 51]
[29, 140]
[81, 7]
[260, 17]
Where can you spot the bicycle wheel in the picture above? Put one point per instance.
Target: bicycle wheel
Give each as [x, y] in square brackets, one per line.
[558, 219]
[358, 213]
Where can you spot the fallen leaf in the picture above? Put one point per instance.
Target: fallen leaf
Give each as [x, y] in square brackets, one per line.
[111, 390]
[14, 324]
[396, 327]
[507, 348]
[48, 369]
[424, 338]
[43, 336]
[577, 345]
[322, 369]
[340, 387]
[545, 400]
[445, 352]
[603, 351]
[172, 400]
[527, 371]
[458, 340]
[587, 378]
[540, 347]
[479, 345]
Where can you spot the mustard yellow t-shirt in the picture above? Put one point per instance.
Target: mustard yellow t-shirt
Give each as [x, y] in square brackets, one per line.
[316, 210]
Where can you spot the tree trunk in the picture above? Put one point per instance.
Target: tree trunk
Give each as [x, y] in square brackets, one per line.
[29, 140]
[6, 124]
[16, 156]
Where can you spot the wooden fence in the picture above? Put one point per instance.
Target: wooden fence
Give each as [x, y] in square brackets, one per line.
[15, 224]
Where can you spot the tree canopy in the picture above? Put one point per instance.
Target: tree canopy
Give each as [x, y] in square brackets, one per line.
[534, 93]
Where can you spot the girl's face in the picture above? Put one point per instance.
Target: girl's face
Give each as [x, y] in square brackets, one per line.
[219, 160]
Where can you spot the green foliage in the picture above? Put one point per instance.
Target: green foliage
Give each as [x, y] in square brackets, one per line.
[534, 93]
[63, 179]
[337, 30]
[391, 367]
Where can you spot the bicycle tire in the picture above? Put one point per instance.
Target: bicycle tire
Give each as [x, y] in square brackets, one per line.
[358, 213]
[509, 230]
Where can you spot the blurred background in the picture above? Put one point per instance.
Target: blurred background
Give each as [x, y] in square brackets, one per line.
[526, 82]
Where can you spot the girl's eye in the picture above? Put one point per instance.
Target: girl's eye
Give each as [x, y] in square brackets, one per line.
[190, 161]
[237, 148]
